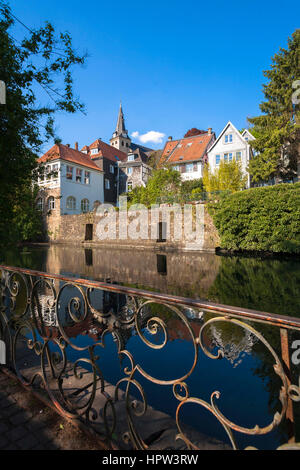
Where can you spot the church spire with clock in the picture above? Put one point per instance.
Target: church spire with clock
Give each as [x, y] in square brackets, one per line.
[120, 138]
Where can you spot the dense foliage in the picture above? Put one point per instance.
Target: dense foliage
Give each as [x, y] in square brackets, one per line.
[263, 219]
[165, 186]
[228, 177]
[36, 68]
[277, 130]
[154, 159]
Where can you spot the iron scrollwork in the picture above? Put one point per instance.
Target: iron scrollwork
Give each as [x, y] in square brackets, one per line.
[43, 316]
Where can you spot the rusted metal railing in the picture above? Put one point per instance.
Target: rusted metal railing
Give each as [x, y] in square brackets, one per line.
[54, 325]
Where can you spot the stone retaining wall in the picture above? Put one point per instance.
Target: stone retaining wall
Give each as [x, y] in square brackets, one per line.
[163, 227]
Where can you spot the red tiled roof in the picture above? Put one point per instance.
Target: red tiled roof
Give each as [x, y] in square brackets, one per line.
[106, 151]
[188, 149]
[63, 152]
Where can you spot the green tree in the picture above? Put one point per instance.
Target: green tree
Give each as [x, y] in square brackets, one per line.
[228, 176]
[154, 159]
[277, 130]
[40, 64]
[26, 222]
[163, 185]
[191, 190]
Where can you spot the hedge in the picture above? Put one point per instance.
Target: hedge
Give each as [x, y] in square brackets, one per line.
[260, 219]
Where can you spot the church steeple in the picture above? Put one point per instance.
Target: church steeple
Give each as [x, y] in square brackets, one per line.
[120, 138]
[120, 128]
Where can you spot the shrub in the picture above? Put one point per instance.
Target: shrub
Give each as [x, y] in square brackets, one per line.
[260, 219]
[228, 176]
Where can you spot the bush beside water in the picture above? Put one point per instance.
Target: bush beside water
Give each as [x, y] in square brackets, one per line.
[260, 219]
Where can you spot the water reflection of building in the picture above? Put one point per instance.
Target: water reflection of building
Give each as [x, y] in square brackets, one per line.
[186, 274]
[115, 312]
[235, 348]
[44, 310]
[112, 313]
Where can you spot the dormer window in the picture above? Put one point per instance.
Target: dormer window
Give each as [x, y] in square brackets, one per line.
[188, 145]
[94, 151]
[131, 158]
[181, 158]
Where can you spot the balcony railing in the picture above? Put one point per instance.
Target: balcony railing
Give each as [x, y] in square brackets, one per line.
[133, 363]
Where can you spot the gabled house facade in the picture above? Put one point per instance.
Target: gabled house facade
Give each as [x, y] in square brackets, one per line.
[134, 171]
[188, 155]
[231, 145]
[71, 182]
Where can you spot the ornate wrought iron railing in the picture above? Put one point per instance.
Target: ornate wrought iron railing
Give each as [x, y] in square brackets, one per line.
[54, 327]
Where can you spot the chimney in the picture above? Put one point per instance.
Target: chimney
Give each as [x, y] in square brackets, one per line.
[67, 145]
[170, 138]
[209, 130]
[76, 146]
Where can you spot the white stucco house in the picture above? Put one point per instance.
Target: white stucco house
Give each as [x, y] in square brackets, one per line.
[231, 145]
[71, 182]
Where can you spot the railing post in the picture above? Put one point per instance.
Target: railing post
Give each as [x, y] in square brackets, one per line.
[285, 355]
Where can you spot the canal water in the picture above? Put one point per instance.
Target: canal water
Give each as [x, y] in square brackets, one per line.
[245, 377]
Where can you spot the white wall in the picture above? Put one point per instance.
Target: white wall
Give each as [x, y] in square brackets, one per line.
[191, 175]
[93, 191]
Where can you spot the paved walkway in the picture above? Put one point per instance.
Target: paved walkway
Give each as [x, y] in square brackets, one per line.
[27, 424]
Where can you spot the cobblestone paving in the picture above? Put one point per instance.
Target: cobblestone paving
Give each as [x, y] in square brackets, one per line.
[27, 424]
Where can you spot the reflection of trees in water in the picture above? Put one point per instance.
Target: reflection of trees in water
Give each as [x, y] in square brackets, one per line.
[271, 381]
[266, 285]
[235, 343]
[32, 258]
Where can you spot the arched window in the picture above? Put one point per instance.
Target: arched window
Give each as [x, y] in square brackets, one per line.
[40, 203]
[71, 203]
[51, 203]
[85, 203]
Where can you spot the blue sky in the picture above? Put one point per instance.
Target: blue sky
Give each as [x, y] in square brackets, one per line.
[175, 65]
